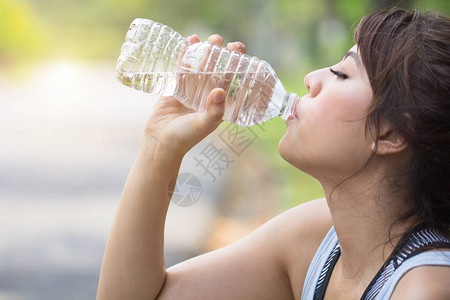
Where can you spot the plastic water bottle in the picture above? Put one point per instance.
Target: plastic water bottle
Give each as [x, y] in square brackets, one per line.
[158, 60]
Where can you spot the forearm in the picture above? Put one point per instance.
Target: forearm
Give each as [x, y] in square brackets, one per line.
[133, 264]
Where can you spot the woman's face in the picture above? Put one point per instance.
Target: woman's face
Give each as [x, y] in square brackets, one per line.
[327, 137]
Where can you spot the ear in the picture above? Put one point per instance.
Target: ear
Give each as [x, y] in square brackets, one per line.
[389, 141]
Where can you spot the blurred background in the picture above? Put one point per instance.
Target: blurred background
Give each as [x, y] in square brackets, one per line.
[69, 131]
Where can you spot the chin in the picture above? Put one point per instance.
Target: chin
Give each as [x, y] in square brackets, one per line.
[286, 150]
[291, 154]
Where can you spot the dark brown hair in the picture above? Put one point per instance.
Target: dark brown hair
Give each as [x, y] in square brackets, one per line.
[407, 58]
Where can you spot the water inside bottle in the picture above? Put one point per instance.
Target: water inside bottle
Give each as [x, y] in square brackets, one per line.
[251, 98]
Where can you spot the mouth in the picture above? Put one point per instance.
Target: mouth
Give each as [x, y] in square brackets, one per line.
[293, 115]
[294, 108]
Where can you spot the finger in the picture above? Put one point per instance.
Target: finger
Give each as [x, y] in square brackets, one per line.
[216, 39]
[237, 46]
[215, 107]
[194, 39]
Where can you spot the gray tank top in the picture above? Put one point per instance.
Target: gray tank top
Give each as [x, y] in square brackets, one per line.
[410, 255]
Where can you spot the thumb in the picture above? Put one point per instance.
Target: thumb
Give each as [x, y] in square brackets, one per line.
[215, 107]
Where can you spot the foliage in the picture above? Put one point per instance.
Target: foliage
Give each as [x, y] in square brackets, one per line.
[294, 35]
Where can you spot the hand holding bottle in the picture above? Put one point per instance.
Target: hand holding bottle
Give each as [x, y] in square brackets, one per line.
[174, 128]
[158, 60]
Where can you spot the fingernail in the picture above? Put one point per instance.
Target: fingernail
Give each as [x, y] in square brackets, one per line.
[218, 38]
[218, 97]
[192, 36]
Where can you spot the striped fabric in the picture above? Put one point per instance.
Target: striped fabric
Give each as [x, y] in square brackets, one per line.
[326, 272]
[421, 240]
[418, 242]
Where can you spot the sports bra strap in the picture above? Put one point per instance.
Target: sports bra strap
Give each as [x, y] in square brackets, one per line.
[430, 258]
[411, 252]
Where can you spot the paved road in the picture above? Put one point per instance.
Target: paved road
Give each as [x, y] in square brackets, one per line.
[69, 133]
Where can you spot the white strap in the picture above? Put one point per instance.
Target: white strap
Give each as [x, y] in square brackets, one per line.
[430, 258]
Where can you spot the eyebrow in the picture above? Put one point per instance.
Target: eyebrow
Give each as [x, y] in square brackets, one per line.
[354, 56]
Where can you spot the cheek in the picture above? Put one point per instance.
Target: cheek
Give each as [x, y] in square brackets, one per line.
[329, 135]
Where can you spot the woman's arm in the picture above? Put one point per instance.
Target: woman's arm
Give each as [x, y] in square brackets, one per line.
[133, 263]
[257, 267]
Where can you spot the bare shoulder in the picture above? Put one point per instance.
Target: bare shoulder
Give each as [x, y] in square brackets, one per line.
[304, 228]
[269, 263]
[424, 282]
[306, 224]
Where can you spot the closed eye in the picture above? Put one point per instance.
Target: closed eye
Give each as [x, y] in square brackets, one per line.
[339, 74]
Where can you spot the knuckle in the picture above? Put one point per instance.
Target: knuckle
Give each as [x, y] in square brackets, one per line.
[237, 46]
[216, 39]
[241, 47]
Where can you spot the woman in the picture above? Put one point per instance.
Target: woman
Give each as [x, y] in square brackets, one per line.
[374, 130]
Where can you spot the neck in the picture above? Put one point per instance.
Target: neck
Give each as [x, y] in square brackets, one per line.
[363, 213]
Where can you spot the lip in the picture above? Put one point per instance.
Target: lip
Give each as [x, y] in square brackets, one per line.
[293, 115]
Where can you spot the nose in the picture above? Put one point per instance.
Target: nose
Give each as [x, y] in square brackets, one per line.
[313, 83]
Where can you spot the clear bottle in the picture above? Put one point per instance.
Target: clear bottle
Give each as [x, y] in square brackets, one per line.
[158, 60]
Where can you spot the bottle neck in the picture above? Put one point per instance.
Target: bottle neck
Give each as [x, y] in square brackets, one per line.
[288, 105]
